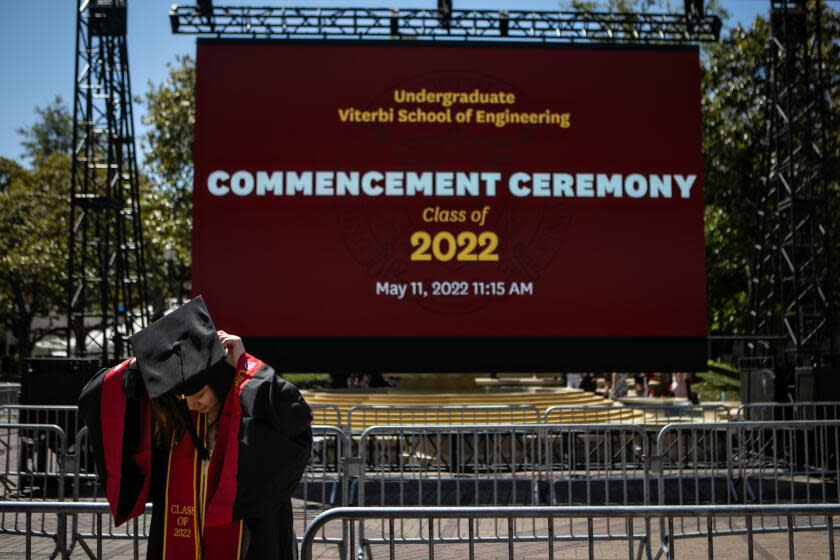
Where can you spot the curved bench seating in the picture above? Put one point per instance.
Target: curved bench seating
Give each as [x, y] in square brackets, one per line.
[414, 408]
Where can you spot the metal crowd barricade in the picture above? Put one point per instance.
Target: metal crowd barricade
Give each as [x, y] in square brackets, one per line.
[33, 469]
[727, 463]
[461, 530]
[748, 463]
[58, 514]
[524, 464]
[326, 414]
[597, 464]
[803, 410]
[67, 466]
[424, 415]
[323, 486]
[447, 466]
[88, 526]
[65, 417]
[33, 461]
[460, 536]
[663, 414]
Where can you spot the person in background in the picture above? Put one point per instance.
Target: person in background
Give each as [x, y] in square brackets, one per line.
[618, 390]
[588, 383]
[691, 378]
[679, 385]
[640, 385]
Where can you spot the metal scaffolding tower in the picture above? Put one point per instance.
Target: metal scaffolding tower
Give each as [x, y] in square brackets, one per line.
[106, 271]
[790, 296]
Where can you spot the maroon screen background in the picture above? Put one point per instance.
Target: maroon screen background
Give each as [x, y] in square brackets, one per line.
[308, 266]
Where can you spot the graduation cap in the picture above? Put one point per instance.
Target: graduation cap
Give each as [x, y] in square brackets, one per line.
[180, 353]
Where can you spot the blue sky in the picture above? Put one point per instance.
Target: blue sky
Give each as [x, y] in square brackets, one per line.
[37, 47]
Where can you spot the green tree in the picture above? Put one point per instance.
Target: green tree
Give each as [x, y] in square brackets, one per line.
[638, 6]
[736, 154]
[33, 246]
[10, 171]
[167, 188]
[734, 115]
[52, 132]
[168, 151]
[33, 227]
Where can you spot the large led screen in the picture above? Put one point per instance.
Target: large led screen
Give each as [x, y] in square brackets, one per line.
[420, 205]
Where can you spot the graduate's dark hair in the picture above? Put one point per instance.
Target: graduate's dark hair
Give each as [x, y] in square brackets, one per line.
[165, 424]
[220, 380]
[169, 413]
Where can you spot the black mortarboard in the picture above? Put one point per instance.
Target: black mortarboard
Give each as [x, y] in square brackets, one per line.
[179, 352]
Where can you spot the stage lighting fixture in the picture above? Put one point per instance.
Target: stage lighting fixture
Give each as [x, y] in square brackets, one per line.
[205, 7]
[395, 22]
[108, 18]
[174, 22]
[445, 12]
[694, 9]
[504, 24]
[693, 14]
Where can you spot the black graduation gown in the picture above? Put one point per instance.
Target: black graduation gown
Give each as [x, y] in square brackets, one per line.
[275, 439]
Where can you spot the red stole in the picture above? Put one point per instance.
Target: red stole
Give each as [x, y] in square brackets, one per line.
[199, 520]
[112, 413]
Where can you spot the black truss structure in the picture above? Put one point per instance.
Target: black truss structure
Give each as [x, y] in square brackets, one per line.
[431, 24]
[106, 270]
[791, 284]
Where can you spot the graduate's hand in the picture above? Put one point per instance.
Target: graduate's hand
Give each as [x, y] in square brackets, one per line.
[132, 382]
[234, 348]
